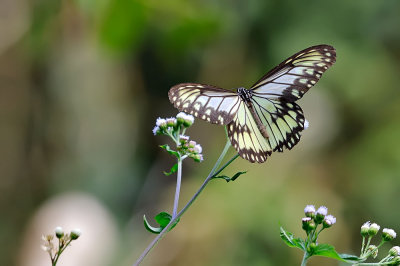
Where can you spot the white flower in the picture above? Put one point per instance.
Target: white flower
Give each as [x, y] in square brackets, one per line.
[366, 226]
[306, 124]
[395, 251]
[161, 122]
[181, 115]
[183, 138]
[388, 234]
[322, 211]
[309, 209]
[330, 220]
[373, 229]
[59, 232]
[75, 233]
[189, 118]
[306, 219]
[198, 148]
[375, 226]
[156, 129]
[171, 121]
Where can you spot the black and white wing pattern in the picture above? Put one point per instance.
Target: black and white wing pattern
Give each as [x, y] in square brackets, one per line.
[264, 118]
[210, 103]
[291, 79]
[274, 95]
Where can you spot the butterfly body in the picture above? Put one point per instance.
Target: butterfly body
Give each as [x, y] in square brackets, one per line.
[266, 117]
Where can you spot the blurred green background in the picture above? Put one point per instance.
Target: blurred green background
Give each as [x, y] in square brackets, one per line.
[83, 81]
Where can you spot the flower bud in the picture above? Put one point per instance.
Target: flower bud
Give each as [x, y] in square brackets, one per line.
[320, 214]
[198, 148]
[192, 144]
[374, 250]
[394, 251]
[329, 220]
[161, 123]
[306, 221]
[309, 211]
[373, 229]
[157, 130]
[59, 232]
[311, 248]
[388, 234]
[183, 139]
[185, 119]
[365, 228]
[180, 118]
[396, 260]
[197, 157]
[171, 122]
[75, 234]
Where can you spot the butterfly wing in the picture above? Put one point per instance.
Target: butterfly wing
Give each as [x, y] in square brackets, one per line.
[210, 103]
[291, 79]
[246, 137]
[274, 95]
[282, 120]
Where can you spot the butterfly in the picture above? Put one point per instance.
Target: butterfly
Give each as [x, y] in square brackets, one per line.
[266, 117]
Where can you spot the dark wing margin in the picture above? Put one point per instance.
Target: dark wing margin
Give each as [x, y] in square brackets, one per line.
[207, 102]
[291, 79]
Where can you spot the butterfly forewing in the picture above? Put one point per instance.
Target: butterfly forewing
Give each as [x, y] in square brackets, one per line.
[246, 138]
[297, 74]
[213, 104]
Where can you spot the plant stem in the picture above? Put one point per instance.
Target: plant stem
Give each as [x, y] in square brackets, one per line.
[178, 187]
[210, 176]
[304, 261]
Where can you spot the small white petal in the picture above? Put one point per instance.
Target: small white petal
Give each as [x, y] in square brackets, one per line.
[322, 210]
[309, 209]
[306, 124]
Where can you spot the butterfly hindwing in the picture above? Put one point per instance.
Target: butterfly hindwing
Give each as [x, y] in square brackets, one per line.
[283, 121]
[291, 79]
[246, 138]
[213, 104]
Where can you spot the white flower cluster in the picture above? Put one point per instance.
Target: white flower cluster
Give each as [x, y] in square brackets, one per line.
[165, 126]
[190, 148]
[319, 216]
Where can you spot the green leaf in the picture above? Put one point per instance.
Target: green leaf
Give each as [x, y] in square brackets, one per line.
[173, 170]
[291, 241]
[233, 178]
[150, 228]
[163, 219]
[326, 250]
[349, 257]
[170, 151]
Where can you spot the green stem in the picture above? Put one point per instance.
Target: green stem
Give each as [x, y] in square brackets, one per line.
[362, 245]
[178, 187]
[212, 174]
[61, 249]
[305, 258]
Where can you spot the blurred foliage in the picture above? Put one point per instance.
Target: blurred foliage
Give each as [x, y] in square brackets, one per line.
[83, 82]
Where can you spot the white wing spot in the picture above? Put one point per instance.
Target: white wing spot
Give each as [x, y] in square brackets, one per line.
[304, 81]
[327, 54]
[313, 81]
